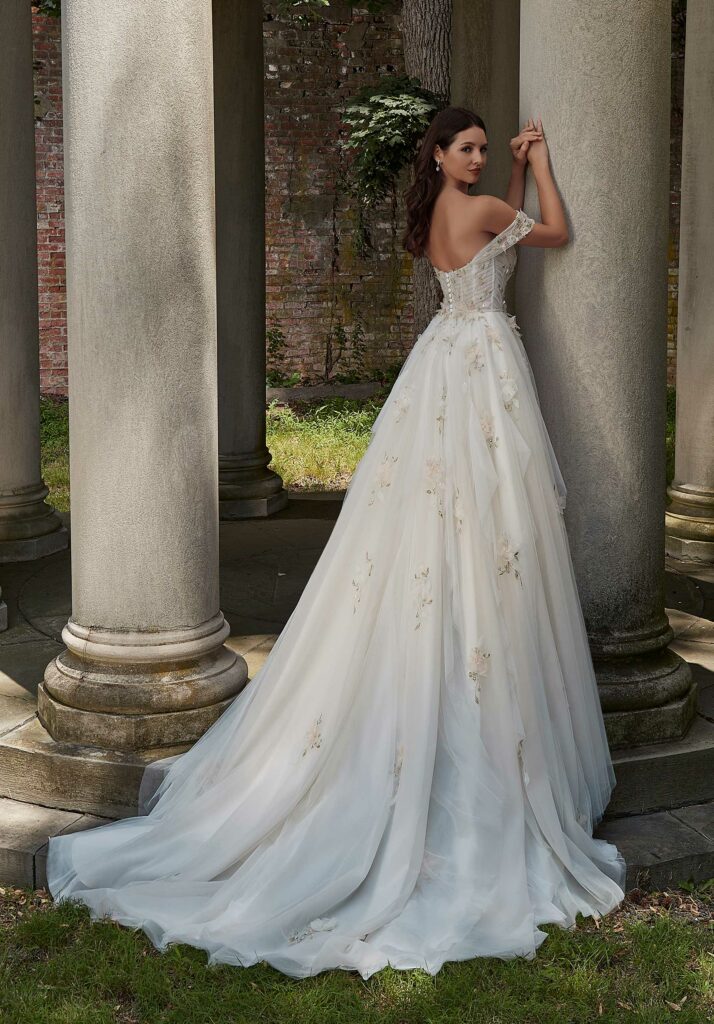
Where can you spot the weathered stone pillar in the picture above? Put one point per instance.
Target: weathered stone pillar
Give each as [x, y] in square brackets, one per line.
[29, 527]
[247, 487]
[485, 44]
[484, 77]
[690, 517]
[594, 321]
[145, 664]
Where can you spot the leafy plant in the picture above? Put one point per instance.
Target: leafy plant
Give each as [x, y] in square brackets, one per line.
[276, 348]
[348, 349]
[52, 7]
[386, 121]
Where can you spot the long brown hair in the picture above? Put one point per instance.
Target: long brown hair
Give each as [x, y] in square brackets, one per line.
[427, 181]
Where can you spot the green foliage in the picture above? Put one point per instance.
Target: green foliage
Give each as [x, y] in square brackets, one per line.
[348, 349]
[649, 962]
[52, 7]
[276, 348]
[386, 120]
[317, 446]
[54, 440]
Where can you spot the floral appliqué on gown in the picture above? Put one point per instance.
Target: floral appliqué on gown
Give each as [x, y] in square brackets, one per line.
[414, 774]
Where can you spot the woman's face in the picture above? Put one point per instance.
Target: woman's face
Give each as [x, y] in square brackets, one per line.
[465, 159]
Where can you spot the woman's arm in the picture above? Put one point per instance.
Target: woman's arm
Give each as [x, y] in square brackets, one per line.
[519, 145]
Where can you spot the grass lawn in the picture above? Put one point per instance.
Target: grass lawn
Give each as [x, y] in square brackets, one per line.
[314, 447]
[651, 960]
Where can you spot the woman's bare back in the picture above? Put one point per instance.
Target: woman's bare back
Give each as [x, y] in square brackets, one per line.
[454, 238]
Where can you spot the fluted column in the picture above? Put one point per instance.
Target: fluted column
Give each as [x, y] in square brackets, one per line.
[145, 664]
[29, 527]
[594, 321]
[690, 516]
[247, 487]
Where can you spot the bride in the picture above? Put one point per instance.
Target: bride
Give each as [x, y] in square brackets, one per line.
[414, 774]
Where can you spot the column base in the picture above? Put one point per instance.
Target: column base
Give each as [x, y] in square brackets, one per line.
[247, 489]
[34, 547]
[124, 732]
[646, 691]
[29, 527]
[250, 508]
[133, 691]
[689, 523]
[664, 724]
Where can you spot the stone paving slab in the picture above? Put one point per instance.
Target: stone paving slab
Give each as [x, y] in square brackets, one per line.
[22, 666]
[663, 849]
[24, 829]
[24, 832]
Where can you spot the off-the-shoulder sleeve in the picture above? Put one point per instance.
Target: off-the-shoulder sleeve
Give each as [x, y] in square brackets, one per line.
[516, 230]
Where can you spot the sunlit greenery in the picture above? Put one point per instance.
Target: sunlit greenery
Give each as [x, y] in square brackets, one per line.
[651, 960]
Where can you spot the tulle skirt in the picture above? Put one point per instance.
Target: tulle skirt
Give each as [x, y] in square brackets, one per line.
[414, 773]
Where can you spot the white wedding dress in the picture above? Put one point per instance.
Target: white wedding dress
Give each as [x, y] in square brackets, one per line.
[414, 773]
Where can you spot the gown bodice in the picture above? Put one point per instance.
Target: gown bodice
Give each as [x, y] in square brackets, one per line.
[480, 284]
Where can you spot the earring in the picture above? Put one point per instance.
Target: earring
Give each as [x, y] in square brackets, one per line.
[438, 166]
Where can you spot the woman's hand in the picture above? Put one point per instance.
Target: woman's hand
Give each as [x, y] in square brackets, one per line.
[537, 154]
[520, 145]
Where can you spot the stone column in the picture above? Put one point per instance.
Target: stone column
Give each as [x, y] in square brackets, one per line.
[484, 77]
[145, 664]
[485, 44]
[690, 517]
[594, 322]
[247, 487]
[29, 527]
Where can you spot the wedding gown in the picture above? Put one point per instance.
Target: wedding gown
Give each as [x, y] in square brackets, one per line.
[414, 773]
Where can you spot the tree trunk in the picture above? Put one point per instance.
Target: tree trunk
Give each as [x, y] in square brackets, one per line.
[426, 34]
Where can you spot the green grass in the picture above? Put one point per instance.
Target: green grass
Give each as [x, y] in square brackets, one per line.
[54, 439]
[314, 447]
[317, 447]
[651, 960]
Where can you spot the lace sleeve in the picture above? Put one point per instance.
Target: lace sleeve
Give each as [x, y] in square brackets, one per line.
[517, 229]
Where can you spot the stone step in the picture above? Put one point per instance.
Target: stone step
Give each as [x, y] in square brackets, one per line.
[24, 832]
[661, 850]
[664, 848]
[35, 768]
[659, 776]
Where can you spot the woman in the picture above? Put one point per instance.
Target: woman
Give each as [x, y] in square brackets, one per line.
[414, 774]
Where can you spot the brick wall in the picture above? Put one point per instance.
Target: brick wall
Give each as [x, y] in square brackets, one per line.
[50, 204]
[319, 290]
[320, 293]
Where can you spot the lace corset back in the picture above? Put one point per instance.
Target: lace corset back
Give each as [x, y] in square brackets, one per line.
[480, 284]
